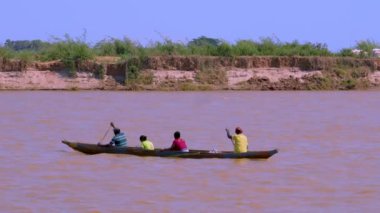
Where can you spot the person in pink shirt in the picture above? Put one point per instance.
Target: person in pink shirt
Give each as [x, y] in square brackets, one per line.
[179, 144]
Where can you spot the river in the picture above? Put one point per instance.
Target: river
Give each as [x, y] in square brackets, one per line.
[328, 160]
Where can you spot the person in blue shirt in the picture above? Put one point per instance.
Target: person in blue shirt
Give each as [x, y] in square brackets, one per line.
[119, 139]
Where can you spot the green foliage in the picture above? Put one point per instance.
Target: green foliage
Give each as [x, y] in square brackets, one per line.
[143, 80]
[76, 49]
[206, 46]
[187, 86]
[70, 51]
[346, 52]
[267, 46]
[224, 49]
[366, 46]
[25, 45]
[246, 48]
[117, 47]
[100, 72]
[168, 47]
[296, 49]
[205, 41]
[211, 76]
[133, 71]
[349, 84]
[321, 83]
[6, 53]
[133, 68]
[72, 68]
[347, 78]
[26, 56]
[360, 72]
[105, 48]
[203, 50]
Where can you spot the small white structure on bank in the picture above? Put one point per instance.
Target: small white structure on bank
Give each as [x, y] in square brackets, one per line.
[376, 53]
[356, 51]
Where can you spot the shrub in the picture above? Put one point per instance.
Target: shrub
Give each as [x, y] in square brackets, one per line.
[70, 51]
[224, 50]
[168, 47]
[100, 72]
[245, 48]
[204, 41]
[6, 53]
[25, 45]
[211, 76]
[267, 46]
[346, 52]
[366, 46]
[132, 69]
[105, 48]
[348, 84]
[26, 56]
[76, 49]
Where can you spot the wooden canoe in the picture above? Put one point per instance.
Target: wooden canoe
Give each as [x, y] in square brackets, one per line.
[196, 154]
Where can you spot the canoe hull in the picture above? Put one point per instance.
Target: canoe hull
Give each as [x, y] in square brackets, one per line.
[92, 149]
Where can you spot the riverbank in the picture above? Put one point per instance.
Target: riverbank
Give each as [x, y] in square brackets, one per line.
[193, 73]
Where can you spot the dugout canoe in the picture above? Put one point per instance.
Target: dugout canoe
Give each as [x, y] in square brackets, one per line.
[92, 149]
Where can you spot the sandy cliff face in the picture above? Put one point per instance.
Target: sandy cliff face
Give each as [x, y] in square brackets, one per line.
[179, 73]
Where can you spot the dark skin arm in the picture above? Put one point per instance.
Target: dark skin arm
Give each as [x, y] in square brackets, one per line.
[109, 144]
[228, 134]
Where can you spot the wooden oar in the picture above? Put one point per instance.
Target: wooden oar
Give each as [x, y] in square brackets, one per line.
[229, 136]
[101, 141]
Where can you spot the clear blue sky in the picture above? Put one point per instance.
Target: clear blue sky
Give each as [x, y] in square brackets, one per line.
[338, 23]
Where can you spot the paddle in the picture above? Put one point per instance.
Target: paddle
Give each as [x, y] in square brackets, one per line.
[229, 136]
[101, 141]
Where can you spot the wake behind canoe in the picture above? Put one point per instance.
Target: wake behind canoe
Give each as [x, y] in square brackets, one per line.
[196, 154]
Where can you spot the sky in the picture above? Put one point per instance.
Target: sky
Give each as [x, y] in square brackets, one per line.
[337, 23]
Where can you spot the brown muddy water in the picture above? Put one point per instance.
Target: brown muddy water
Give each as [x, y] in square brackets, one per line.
[328, 160]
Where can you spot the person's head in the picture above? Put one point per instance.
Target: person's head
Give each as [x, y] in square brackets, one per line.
[177, 135]
[143, 138]
[238, 130]
[116, 131]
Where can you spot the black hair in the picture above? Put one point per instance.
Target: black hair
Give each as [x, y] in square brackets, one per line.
[116, 131]
[177, 135]
[143, 138]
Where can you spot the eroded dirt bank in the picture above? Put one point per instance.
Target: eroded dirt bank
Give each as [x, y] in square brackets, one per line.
[194, 73]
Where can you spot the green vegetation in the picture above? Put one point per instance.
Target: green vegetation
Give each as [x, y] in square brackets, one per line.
[364, 46]
[117, 47]
[69, 50]
[33, 45]
[5, 53]
[341, 78]
[140, 82]
[72, 50]
[100, 73]
[367, 45]
[208, 76]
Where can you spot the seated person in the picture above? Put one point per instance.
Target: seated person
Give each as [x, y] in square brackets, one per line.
[179, 144]
[145, 144]
[119, 139]
[239, 140]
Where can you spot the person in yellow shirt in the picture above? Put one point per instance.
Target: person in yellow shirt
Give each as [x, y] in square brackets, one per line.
[145, 144]
[239, 140]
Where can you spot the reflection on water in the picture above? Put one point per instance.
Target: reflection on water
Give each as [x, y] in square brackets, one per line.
[328, 160]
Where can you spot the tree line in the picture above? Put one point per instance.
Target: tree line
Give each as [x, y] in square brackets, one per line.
[69, 49]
